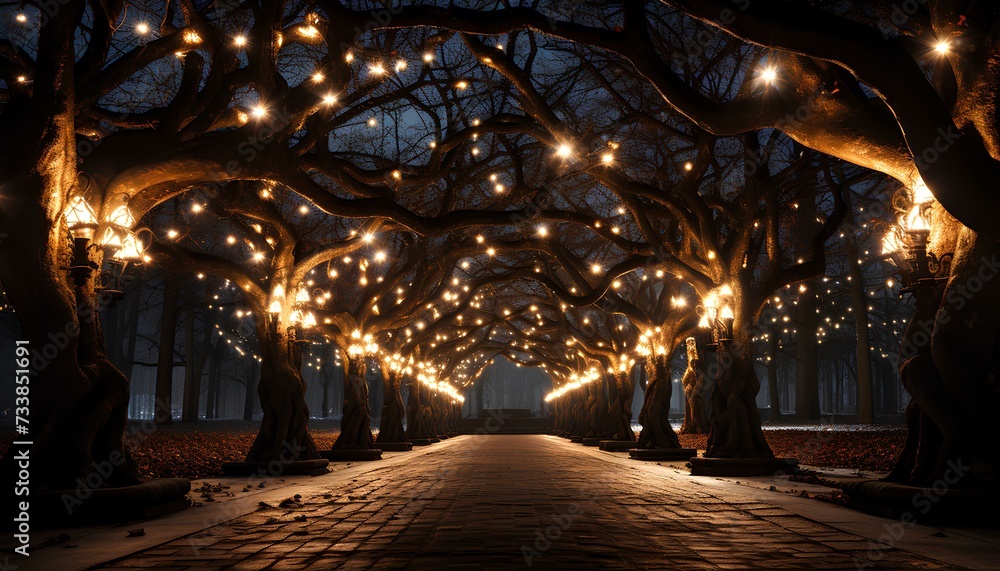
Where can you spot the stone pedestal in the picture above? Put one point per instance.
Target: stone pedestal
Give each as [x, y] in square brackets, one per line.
[591, 441]
[394, 446]
[617, 445]
[148, 499]
[361, 455]
[276, 468]
[576, 439]
[743, 466]
[943, 505]
[653, 454]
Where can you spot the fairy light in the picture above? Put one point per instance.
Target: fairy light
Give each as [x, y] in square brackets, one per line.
[142, 28]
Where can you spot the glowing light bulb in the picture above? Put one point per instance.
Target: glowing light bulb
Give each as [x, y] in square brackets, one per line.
[377, 69]
[428, 57]
[768, 75]
[240, 41]
[596, 268]
[564, 151]
[142, 28]
[373, 122]
[462, 85]
[259, 111]
[329, 99]
[400, 66]
[21, 18]
[543, 231]
[607, 158]
[318, 77]
[942, 47]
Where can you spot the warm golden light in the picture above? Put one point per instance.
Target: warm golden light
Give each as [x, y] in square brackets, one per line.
[80, 218]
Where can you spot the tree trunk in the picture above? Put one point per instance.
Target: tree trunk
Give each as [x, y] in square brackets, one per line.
[192, 378]
[418, 424]
[284, 431]
[806, 358]
[355, 424]
[772, 377]
[948, 363]
[735, 420]
[866, 405]
[393, 410]
[695, 415]
[79, 400]
[214, 381]
[655, 415]
[621, 407]
[251, 383]
[165, 357]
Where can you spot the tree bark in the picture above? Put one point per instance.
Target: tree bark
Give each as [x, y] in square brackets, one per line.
[806, 359]
[772, 377]
[393, 410]
[695, 415]
[284, 431]
[165, 356]
[192, 378]
[859, 301]
[655, 415]
[355, 425]
[735, 420]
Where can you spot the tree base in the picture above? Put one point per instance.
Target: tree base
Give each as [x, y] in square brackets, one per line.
[944, 506]
[146, 500]
[743, 466]
[277, 468]
[576, 439]
[394, 446]
[360, 455]
[591, 441]
[652, 454]
[617, 445]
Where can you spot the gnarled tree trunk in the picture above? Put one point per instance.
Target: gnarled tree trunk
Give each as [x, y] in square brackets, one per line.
[284, 431]
[621, 407]
[695, 415]
[355, 425]
[393, 409]
[735, 420]
[655, 415]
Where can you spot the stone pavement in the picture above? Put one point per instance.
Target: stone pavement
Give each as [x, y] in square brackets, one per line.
[517, 502]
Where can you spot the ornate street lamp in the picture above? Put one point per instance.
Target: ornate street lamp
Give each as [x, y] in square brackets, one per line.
[123, 248]
[905, 244]
[82, 223]
[717, 315]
